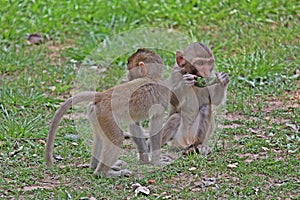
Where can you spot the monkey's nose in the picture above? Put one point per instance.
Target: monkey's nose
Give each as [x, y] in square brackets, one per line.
[199, 74]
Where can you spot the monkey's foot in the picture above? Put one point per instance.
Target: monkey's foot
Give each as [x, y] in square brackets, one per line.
[127, 135]
[117, 166]
[113, 173]
[200, 149]
[164, 160]
[126, 173]
[203, 150]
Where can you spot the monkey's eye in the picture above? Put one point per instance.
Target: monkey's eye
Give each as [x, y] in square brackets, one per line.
[198, 63]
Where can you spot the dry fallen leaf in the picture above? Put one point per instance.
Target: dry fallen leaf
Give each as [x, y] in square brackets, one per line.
[41, 141]
[34, 39]
[142, 190]
[233, 165]
[192, 169]
[84, 165]
[233, 12]
[11, 154]
[135, 185]
[74, 144]
[261, 136]
[206, 182]
[52, 88]
[294, 127]
[138, 188]
[72, 136]
[265, 148]
[58, 157]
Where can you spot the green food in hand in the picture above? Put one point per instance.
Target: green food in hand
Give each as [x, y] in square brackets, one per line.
[204, 82]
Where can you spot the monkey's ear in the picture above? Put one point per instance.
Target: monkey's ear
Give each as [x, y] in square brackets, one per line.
[179, 59]
[143, 69]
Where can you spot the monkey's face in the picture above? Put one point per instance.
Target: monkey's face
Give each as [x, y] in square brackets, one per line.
[201, 67]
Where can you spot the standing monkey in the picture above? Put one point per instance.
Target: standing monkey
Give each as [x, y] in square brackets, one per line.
[141, 98]
[190, 120]
[153, 72]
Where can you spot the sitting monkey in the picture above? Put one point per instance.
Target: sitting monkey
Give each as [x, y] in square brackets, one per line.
[190, 121]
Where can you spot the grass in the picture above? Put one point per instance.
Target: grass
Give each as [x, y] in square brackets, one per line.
[256, 42]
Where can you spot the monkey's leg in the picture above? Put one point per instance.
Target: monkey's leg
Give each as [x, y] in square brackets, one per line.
[206, 128]
[96, 151]
[155, 138]
[170, 128]
[112, 138]
[107, 132]
[109, 157]
[140, 141]
[203, 126]
[155, 144]
[97, 143]
[97, 148]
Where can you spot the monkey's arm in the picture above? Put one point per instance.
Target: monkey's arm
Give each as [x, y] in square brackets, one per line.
[214, 93]
[218, 91]
[217, 94]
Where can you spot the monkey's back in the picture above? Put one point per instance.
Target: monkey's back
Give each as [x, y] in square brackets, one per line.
[149, 97]
[133, 100]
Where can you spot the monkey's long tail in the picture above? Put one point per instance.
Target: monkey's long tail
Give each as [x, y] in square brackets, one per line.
[80, 97]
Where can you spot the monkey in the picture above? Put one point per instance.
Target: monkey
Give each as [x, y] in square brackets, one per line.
[137, 132]
[141, 98]
[190, 121]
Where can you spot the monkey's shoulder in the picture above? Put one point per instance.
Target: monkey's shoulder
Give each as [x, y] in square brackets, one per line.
[136, 82]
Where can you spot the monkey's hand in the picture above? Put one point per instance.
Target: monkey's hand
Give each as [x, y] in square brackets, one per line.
[190, 79]
[126, 173]
[223, 78]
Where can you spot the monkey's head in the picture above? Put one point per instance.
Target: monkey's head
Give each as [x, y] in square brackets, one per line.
[196, 59]
[144, 63]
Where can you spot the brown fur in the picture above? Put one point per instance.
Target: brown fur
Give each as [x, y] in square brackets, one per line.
[130, 103]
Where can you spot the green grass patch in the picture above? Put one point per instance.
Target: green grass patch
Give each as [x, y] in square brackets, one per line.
[255, 42]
